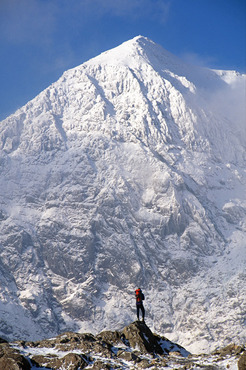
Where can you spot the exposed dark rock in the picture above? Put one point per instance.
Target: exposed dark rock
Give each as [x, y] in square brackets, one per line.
[70, 337]
[104, 349]
[11, 358]
[3, 340]
[141, 337]
[71, 361]
[74, 340]
[242, 361]
[43, 360]
[84, 342]
[113, 337]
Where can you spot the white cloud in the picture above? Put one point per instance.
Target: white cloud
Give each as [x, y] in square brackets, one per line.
[230, 102]
[228, 99]
[197, 60]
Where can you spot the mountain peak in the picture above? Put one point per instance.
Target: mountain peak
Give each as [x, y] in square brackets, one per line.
[140, 51]
[133, 52]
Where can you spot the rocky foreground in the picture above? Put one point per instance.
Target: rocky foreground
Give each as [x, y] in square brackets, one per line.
[133, 347]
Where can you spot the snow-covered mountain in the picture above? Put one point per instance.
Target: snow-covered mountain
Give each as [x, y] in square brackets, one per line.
[128, 171]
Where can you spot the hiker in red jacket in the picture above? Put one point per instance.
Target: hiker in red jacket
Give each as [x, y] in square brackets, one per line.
[139, 302]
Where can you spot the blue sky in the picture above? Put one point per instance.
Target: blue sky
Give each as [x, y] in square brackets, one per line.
[40, 39]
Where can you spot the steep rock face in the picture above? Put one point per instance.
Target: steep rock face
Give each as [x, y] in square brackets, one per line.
[121, 174]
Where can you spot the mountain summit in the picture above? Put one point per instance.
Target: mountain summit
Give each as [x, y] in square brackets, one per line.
[125, 172]
[141, 51]
[136, 52]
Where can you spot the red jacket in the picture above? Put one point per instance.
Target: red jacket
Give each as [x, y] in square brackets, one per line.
[139, 296]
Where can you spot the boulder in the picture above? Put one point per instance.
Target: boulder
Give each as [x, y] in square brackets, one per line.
[83, 342]
[242, 361]
[99, 365]
[71, 361]
[112, 337]
[128, 356]
[3, 340]
[103, 348]
[232, 350]
[145, 364]
[43, 360]
[11, 358]
[139, 336]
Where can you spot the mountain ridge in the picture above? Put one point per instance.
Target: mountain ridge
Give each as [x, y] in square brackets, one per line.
[110, 164]
[134, 346]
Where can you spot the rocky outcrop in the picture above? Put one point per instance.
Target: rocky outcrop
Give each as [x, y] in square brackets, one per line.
[136, 346]
[11, 359]
[231, 349]
[140, 336]
[71, 361]
[242, 361]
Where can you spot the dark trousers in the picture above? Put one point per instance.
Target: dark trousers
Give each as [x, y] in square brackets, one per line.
[140, 307]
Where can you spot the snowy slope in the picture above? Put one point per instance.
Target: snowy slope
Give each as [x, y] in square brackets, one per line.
[126, 172]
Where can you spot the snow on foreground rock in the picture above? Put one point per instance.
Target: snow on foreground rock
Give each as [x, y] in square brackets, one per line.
[133, 347]
[126, 173]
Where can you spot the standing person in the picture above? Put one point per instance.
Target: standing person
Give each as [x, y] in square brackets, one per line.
[139, 302]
